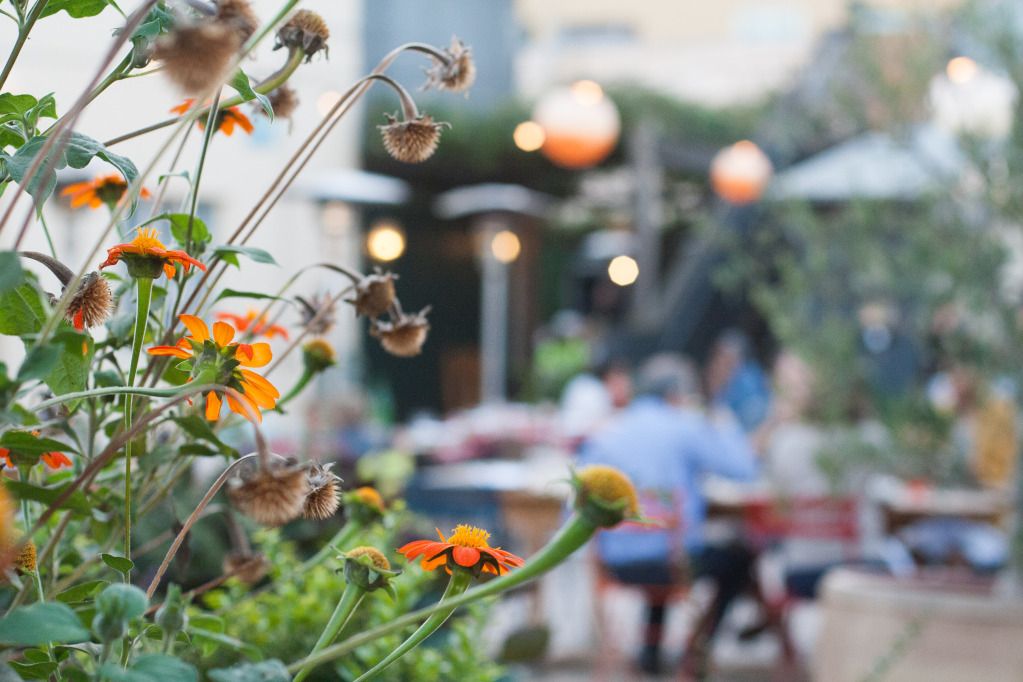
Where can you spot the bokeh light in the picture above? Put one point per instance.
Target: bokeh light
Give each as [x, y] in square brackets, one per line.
[529, 136]
[961, 70]
[385, 242]
[623, 270]
[505, 246]
[739, 173]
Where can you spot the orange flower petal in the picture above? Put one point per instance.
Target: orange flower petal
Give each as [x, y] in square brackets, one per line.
[212, 406]
[172, 351]
[465, 556]
[257, 396]
[261, 383]
[432, 563]
[196, 327]
[56, 460]
[249, 414]
[169, 270]
[254, 354]
[222, 333]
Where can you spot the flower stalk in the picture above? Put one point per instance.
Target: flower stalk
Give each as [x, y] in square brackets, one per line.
[350, 600]
[144, 295]
[458, 584]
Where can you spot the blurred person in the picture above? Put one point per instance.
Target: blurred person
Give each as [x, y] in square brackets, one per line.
[667, 445]
[735, 379]
[590, 399]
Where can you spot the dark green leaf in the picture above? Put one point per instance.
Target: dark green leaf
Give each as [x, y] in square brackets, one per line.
[42, 623]
[23, 442]
[81, 592]
[41, 184]
[227, 253]
[199, 428]
[71, 371]
[118, 563]
[235, 293]
[152, 668]
[39, 362]
[35, 671]
[241, 83]
[11, 274]
[76, 502]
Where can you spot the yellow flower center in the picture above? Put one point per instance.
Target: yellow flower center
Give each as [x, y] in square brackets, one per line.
[374, 554]
[370, 497]
[610, 486]
[147, 240]
[469, 536]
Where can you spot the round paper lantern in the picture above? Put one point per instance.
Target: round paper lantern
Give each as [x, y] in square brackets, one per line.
[581, 125]
[740, 173]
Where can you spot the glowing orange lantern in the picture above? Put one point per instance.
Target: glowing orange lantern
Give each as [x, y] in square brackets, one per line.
[581, 125]
[740, 173]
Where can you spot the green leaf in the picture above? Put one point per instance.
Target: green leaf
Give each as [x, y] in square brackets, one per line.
[24, 443]
[11, 274]
[227, 253]
[81, 592]
[179, 229]
[71, 372]
[42, 184]
[251, 651]
[235, 293]
[42, 623]
[241, 83]
[19, 105]
[265, 671]
[199, 428]
[21, 310]
[118, 563]
[39, 362]
[35, 671]
[151, 668]
[75, 8]
[76, 502]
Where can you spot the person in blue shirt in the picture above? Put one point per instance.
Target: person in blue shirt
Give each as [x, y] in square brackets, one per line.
[666, 444]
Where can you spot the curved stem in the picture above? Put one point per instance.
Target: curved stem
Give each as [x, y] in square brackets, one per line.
[573, 535]
[346, 606]
[117, 390]
[307, 374]
[192, 518]
[459, 582]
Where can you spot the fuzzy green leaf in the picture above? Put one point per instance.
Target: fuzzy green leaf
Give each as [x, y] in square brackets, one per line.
[11, 274]
[42, 623]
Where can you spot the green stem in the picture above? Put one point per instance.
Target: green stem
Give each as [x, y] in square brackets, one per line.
[458, 584]
[573, 535]
[46, 231]
[109, 390]
[307, 374]
[145, 296]
[335, 544]
[346, 606]
[19, 43]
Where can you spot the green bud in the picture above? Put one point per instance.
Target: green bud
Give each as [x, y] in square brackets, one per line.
[116, 607]
[172, 616]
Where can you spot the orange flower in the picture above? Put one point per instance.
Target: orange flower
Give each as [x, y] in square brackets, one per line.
[466, 547]
[226, 119]
[146, 253]
[103, 189]
[257, 327]
[220, 361]
[54, 460]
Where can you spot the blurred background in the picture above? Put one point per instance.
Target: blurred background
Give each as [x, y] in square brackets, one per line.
[818, 202]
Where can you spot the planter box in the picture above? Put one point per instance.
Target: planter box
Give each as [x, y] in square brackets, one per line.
[937, 629]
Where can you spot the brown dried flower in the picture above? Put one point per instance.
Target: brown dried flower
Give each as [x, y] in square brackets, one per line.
[374, 294]
[198, 57]
[318, 313]
[272, 496]
[405, 335]
[375, 556]
[306, 31]
[324, 497]
[248, 568]
[238, 15]
[92, 304]
[457, 73]
[283, 101]
[413, 140]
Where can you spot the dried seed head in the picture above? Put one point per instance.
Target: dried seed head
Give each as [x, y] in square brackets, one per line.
[374, 294]
[324, 497]
[318, 313]
[26, 559]
[248, 568]
[92, 304]
[239, 16]
[405, 335]
[457, 73]
[412, 141]
[376, 557]
[272, 496]
[306, 31]
[198, 57]
[283, 101]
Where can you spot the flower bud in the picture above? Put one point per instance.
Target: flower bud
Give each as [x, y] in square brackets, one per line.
[172, 616]
[604, 495]
[318, 355]
[369, 569]
[116, 606]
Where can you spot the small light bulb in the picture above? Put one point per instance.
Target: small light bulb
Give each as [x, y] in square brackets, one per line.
[505, 246]
[623, 270]
[961, 70]
[529, 136]
[385, 242]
